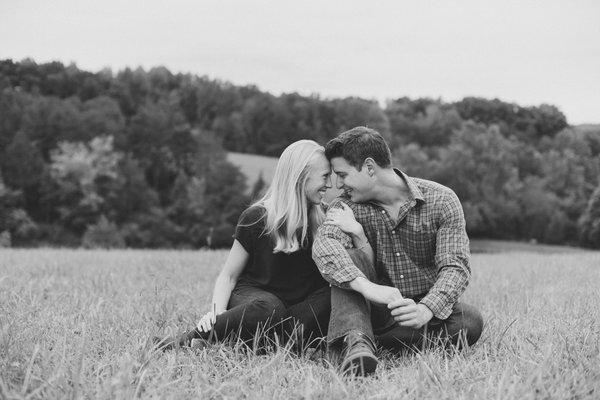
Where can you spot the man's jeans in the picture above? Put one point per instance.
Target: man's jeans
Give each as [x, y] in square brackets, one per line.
[350, 311]
[252, 310]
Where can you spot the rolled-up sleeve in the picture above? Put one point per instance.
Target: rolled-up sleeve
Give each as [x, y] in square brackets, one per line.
[451, 259]
[332, 259]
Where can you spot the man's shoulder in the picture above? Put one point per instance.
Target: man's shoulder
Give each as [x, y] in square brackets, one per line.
[439, 199]
[433, 190]
[356, 207]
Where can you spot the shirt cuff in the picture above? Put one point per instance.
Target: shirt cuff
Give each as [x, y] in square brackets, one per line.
[438, 306]
[344, 281]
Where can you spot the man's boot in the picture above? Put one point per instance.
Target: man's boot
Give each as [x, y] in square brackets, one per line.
[358, 355]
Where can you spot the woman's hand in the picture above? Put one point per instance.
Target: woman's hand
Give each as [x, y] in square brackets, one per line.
[344, 219]
[207, 321]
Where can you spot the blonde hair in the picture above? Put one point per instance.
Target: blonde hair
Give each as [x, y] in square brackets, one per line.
[288, 212]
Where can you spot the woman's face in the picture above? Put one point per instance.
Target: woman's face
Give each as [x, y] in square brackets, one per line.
[319, 179]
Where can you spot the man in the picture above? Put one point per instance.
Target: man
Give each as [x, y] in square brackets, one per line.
[408, 290]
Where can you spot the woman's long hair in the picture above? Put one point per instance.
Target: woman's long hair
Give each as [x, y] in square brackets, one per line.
[288, 212]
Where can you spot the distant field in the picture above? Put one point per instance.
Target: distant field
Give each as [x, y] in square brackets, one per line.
[253, 165]
[74, 324]
[504, 246]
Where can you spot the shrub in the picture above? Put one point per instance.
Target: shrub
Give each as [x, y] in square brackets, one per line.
[103, 234]
[589, 223]
[5, 239]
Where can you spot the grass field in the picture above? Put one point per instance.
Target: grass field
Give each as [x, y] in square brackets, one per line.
[74, 324]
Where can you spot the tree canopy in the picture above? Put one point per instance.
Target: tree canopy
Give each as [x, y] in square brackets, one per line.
[137, 158]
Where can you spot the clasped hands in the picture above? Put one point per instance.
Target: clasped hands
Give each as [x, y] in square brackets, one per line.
[404, 310]
[410, 314]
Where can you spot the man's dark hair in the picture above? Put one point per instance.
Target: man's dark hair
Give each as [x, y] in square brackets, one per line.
[358, 144]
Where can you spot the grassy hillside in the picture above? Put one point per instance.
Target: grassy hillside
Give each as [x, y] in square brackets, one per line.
[75, 323]
[253, 165]
[506, 246]
[588, 128]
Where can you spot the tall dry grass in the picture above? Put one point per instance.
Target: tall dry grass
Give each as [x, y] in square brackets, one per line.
[75, 324]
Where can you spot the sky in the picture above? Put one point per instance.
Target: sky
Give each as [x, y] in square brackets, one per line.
[527, 52]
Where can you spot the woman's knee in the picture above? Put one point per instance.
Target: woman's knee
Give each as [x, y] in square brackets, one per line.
[262, 309]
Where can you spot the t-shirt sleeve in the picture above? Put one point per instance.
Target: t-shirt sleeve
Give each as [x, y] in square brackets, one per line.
[250, 225]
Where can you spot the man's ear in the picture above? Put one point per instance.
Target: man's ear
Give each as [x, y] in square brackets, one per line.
[369, 166]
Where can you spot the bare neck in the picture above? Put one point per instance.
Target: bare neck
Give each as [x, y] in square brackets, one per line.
[390, 189]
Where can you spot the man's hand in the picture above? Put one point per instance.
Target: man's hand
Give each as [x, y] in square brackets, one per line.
[407, 313]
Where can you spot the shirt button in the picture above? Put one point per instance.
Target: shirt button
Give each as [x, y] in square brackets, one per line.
[401, 276]
[397, 254]
[393, 232]
[383, 211]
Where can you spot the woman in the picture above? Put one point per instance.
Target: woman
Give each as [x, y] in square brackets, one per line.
[269, 281]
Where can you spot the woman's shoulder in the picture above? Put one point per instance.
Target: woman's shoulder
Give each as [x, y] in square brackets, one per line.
[252, 215]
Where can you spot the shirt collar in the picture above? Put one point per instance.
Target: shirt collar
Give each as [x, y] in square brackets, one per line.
[415, 192]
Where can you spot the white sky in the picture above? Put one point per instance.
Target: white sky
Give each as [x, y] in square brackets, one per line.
[529, 52]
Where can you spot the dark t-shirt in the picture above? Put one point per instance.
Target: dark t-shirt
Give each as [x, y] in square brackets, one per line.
[289, 276]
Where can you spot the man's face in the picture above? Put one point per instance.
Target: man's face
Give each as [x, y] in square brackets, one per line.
[356, 184]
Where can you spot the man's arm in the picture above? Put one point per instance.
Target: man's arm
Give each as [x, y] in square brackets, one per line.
[451, 258]
[330, 255]
[330, 252]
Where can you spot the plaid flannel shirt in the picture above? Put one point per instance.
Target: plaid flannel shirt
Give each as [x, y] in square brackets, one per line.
[425, 253]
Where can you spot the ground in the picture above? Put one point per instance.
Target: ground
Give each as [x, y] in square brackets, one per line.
[75, 323]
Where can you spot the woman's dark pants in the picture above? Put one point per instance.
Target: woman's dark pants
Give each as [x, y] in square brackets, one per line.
[253, 311]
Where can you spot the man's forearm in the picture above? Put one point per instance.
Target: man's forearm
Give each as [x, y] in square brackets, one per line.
[379, 294]
[450, 284]
[359, 284]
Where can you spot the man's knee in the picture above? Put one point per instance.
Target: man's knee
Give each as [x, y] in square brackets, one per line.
[362, 262]
[468, 319]
[474, 327]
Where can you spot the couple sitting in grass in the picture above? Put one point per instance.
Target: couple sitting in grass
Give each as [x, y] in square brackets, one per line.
[383, 265]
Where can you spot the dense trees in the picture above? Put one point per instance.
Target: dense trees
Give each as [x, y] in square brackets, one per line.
[137, 158]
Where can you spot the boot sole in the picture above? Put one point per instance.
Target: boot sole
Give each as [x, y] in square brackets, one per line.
[360, 365]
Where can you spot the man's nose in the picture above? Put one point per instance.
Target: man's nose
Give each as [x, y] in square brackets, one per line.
[328, 183]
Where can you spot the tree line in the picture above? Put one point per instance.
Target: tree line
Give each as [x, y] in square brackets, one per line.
[137, 158]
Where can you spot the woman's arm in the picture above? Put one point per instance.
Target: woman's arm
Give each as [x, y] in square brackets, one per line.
[234, 265]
